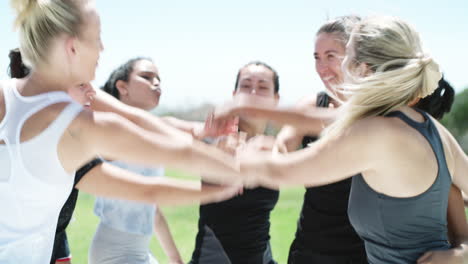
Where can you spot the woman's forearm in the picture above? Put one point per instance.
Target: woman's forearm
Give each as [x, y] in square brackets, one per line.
[163, 233]
[107, 180]
[104, 102]
[310, 122]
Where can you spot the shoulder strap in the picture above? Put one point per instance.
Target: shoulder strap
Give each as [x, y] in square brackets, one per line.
[323, 100]
[58, 126]
[429, 130]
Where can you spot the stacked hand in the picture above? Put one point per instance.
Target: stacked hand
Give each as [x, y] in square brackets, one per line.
[239, 106]
[249, 154]
[83, 94]
[220, 127]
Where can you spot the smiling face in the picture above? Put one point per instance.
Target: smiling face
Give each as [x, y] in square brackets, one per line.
[142, 89]
[329, 54]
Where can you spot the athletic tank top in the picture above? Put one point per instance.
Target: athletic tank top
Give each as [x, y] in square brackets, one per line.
[400, 230]
[323, 226]
[33, 184]
[129, 216]
[241, 225]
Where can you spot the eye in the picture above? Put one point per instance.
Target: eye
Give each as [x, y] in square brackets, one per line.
[148, 78]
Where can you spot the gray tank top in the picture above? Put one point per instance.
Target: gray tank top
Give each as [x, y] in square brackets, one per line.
[400, 230]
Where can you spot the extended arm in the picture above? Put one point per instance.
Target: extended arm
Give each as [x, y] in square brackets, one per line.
[116, 138]
[163, 233]
[107, 180]
[328, 160]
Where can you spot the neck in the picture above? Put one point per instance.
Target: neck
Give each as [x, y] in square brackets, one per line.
[42, 82]
[252, 128]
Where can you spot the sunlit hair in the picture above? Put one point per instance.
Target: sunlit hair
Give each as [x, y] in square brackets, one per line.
[385, 68]
[340, 26]
[40, 21]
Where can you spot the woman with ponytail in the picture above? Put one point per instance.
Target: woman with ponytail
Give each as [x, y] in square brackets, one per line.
[45, 136]
[403, 160]
[125, 228]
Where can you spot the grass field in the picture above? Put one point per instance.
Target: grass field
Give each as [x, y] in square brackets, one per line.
[183, 224]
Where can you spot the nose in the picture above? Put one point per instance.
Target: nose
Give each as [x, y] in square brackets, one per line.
[321, 67]
[156, 81]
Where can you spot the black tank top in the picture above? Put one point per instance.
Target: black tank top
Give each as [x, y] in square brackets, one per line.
[241, 225]
[68, 208]
[324, 227]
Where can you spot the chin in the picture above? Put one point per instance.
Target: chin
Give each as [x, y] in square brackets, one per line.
[152, 106]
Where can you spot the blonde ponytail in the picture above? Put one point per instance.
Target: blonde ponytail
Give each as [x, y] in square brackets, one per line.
[23, 8]
[399, 71]
[40, 21]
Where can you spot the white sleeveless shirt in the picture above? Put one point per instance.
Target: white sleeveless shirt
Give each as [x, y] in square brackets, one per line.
[33, 183]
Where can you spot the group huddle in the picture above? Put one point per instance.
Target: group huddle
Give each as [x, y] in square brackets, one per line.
[383, 177]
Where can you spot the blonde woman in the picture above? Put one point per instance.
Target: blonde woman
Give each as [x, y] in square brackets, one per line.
[45, 136]
[403, 159]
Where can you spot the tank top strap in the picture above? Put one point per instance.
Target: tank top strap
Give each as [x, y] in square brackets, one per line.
[323, 100]
[429, 130]
[58, 126]
[19, 108]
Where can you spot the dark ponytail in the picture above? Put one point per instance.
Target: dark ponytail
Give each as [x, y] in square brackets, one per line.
[439, 102]
[121, 73]
[17, 69]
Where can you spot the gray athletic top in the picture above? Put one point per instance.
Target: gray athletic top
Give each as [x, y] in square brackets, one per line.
[400, 230]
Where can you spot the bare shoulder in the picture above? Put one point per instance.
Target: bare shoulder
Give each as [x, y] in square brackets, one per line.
[375, 127]
[364, 134]
[89, 121]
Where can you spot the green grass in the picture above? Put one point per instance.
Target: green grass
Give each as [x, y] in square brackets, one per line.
[183, 225]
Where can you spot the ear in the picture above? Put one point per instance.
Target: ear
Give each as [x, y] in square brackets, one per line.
[70, 46]
[234, 92]
[122, 87]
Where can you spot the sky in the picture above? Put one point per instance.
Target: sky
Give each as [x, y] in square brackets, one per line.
[199, 46]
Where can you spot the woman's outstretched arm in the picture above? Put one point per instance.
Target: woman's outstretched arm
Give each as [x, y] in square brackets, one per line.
[107, 180]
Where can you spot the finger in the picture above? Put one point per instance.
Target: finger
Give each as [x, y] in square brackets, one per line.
[279, 148]
[276, 149]
[233, 140]
[425, 258]
[220, 142]
[242, 137]
[232, 125]
[210, 119]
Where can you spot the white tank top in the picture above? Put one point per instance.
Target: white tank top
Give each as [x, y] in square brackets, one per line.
[33, 184]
